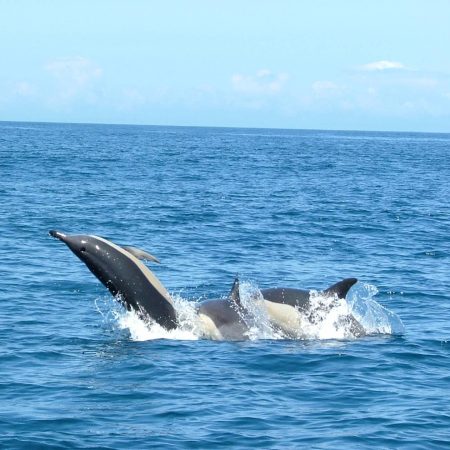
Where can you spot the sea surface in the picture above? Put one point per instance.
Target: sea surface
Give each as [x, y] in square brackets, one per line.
[293, 208]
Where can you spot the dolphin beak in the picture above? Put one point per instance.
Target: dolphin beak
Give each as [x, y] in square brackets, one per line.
[73, 242]
[57, 235]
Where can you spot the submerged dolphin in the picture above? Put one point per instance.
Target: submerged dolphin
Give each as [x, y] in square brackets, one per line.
[137, 287]
[223, 318]
[284, 306]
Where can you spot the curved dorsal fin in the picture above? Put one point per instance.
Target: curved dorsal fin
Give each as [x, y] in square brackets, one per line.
[234, 293]
[340, 288]
[140, 254]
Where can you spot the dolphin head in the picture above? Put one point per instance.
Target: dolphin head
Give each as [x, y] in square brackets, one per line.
[95, 253]
[83, 245]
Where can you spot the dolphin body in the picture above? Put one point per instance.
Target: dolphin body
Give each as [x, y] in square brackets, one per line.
[286, 305]
[121, 270]
[222, 319]
[129, 280]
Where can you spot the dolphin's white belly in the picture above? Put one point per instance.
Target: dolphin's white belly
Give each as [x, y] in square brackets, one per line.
[208, 328]
[284, 317]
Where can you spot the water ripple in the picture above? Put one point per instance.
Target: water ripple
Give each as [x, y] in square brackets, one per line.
[279, 207]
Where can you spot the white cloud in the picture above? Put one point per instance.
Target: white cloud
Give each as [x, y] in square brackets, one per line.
[74, 75]
[78, 69]
[382, 65]
[263, 82]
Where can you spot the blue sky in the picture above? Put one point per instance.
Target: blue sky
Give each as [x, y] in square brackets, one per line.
[369, 65]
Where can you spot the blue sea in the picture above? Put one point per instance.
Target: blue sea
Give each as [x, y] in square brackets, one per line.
[295, 208]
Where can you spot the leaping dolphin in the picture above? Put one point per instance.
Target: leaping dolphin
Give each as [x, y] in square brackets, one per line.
[125, 276]
[120, 269]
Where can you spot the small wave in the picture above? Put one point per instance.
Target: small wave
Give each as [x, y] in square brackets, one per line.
[327, 318]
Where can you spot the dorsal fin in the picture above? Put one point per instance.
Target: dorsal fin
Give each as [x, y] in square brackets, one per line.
[140, 254]
[340, 288]
[234, 293]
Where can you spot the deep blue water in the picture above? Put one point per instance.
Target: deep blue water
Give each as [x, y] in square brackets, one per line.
[293, 208]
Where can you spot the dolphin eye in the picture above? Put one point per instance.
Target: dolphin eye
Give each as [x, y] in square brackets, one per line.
[83, 249]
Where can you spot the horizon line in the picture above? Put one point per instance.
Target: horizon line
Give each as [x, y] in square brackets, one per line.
[44, 122]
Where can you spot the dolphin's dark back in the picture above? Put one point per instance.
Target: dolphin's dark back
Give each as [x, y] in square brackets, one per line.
[134, 286]
[225, 315]
[298, 298]
[341, 288]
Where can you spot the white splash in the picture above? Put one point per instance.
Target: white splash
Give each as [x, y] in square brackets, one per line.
[327, 318]
[375, 318]
[141, 330]
[255, 314]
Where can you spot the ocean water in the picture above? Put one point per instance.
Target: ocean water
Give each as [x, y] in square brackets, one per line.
[277, 207]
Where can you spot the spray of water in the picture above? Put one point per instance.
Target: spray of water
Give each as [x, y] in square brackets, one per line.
[116, 316]
[326, 319]
[375, 318]
[254, 314]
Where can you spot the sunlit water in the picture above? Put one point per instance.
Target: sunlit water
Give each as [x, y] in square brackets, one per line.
[280, 208]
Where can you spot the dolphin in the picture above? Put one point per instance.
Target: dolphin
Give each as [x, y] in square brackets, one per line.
[120, 269]
[283, 306]
[222, 319]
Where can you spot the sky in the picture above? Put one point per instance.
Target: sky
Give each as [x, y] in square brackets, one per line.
[322, 64]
